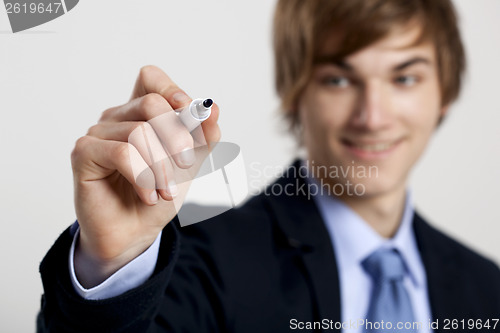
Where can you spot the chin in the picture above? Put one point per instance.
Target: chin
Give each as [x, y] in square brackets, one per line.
[364, 189]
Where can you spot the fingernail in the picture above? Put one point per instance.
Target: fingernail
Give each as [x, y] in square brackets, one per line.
[180, 97]
[154, 197]
[172, 188]
[187, 157]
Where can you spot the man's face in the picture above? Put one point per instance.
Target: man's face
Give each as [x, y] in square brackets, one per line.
[369, 117]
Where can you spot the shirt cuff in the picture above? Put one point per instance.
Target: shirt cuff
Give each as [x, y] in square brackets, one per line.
[126, 278]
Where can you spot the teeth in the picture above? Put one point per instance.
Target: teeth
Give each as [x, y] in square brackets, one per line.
[376, 147]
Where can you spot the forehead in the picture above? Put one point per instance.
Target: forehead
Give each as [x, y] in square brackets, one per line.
[399, 44]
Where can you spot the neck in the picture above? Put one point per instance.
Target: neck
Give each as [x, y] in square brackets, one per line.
[383, 212]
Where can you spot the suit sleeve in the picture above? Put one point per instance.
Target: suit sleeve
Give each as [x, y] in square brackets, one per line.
[161, 304]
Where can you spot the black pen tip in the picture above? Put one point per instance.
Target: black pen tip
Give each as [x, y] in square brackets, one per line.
[208, 103]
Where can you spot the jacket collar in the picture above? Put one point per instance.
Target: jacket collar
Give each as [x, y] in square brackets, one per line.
[299, 219]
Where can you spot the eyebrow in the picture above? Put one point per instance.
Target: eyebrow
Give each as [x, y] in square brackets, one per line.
[333, 60]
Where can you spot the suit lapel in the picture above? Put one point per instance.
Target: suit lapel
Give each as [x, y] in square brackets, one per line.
[443, 275]
[301, 222]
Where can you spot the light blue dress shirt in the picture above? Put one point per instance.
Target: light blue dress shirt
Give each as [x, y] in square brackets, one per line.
[126, 278]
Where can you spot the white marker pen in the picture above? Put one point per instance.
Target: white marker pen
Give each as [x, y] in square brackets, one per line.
[195, 113]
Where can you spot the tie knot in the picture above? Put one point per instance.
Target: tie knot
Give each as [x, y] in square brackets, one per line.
[385, 264]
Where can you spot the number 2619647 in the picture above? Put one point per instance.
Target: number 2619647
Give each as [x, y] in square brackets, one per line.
[33, 8]
[470, 324]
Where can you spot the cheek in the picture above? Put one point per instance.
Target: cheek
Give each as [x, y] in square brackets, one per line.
[419, 115]
[323, 114]
[420, 111]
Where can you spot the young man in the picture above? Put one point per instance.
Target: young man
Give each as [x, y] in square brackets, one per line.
[364, 84]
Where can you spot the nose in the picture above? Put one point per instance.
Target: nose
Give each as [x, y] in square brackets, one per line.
[373, 111]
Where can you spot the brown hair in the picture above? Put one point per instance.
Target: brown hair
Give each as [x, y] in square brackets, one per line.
[300, 26]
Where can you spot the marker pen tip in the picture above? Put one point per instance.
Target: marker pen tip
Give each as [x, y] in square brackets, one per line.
[208, 103]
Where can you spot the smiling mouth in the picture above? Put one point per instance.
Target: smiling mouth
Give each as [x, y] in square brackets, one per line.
[372, 147]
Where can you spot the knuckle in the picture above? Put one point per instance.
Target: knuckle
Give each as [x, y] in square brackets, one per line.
[93, 130]
[170, 90]
[106, 114]
[146, 72]
[121, 152]
[152, 100]
[79, 150]
[136, 135]
[136, 129]
[150, 104]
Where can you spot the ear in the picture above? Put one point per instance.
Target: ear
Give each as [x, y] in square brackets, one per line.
[442, 113]
[444, 110]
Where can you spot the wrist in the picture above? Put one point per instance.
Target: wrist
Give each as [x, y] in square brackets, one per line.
[93, 266]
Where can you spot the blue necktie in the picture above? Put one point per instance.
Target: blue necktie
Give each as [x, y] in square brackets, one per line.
[390, 301]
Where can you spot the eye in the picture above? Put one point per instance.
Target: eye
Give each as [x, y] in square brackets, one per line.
[406, 80]
[336, 81]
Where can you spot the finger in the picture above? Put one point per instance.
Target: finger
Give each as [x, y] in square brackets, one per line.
[145, 140]
[152, 79]
[175, 138]
[210, 126]
[114, 131]
[109, 156]
[140, 109]
[171, 133]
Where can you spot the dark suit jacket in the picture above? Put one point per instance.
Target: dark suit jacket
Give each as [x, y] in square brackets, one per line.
[253, 269]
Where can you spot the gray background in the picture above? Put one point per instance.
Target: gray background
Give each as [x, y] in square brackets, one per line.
[56, 79]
